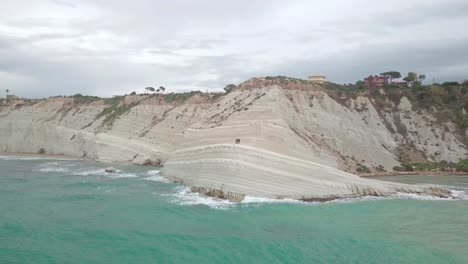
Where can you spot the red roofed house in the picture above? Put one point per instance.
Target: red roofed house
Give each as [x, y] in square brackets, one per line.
[376, 81]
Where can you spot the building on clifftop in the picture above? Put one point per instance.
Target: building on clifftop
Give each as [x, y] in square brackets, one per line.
[376, 81]
[318, 79]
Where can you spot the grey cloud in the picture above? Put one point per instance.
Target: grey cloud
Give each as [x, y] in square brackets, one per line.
[108, 47]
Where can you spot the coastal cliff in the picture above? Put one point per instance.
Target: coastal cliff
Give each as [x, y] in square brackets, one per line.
[297, 139]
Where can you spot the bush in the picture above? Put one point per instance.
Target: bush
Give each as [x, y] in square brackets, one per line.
[84, 99]
[362, 169]
[450, 98]
[437, 91]
[462, 166]
[391, 86]
[424, 166]
[148, 162]
[407, 167]
[446, 84]
[41, 151]
[465, 100]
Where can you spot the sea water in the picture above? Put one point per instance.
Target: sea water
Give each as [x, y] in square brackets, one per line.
[63, 211]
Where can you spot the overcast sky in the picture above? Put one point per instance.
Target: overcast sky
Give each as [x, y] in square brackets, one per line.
[109, 47]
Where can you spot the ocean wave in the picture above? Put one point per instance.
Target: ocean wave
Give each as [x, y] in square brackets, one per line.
[118, 174]
[415, 196]
[157, 178]
[90, 172]
[463, 195]
[184, 196]
[154, 176]
[152, 172]
[258, 200]
[53, 169]
[121, 175]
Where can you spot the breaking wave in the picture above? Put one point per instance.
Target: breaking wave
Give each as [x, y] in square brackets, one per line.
[183, 196]
[154, 176]
[55, 167]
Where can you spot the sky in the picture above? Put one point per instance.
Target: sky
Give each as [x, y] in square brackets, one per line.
[112, 47]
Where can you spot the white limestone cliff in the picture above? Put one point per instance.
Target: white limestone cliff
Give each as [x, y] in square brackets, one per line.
[296, 141]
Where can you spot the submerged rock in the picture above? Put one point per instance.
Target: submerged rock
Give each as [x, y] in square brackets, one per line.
[109, 170]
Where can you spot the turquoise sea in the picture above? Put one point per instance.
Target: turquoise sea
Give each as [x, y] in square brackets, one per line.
[62, 211]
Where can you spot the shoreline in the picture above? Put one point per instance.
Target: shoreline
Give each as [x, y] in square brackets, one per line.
[413, 173]
[37, 155]
[239, 197]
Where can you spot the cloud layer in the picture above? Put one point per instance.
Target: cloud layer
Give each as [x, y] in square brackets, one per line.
[115, 47]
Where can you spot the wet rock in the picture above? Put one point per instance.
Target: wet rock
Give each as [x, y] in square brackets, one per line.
[109, 170]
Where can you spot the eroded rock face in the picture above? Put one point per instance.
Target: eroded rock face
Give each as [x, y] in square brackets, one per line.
[233, 197]
[296, 141]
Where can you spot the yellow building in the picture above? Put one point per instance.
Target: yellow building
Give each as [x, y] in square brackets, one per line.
[318, 79]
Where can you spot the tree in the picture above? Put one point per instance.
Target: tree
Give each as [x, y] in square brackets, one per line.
[410, 78]
[229, 88]
[162, 89]
[392, 74]
[133, 93]
[422, 77]
[149, 89]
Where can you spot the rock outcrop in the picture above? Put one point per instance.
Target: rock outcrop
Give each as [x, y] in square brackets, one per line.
[296, 141]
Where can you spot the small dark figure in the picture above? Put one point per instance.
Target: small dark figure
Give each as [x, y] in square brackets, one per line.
[237, 140]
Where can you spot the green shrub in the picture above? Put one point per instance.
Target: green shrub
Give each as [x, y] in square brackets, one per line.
[399, 168]
[462, 166]
[424, 166]
[179, 97]
[438, 91]
[391, 86]
[84, 99]
[41, 151]
[362, 169]
[446, 84]
[114, 111]
[407, 167]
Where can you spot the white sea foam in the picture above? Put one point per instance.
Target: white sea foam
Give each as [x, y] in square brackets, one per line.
[154, 176]
[415, 196]
[54, 169]
[90, 172]
[252, 199]
[184, 196]
[120, 175]
[460, 194]
[101, 172]
[153, 172]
